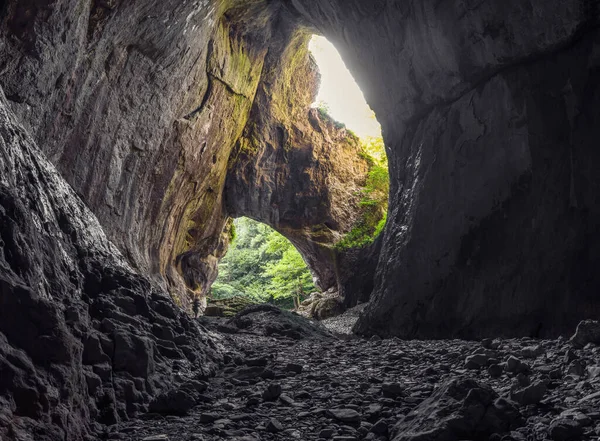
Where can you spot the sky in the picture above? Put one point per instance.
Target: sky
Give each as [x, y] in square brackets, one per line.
[340, 92]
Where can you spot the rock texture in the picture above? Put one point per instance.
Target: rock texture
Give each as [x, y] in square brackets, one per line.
[83, 338]
[166, 117]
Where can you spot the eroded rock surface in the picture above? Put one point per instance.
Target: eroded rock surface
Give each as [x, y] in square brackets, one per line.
[487, 109]
[295, 168]
[140, 105]
[489, 113]
[84, 340]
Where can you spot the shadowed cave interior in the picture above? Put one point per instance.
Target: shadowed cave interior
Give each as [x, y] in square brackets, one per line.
[133, 133]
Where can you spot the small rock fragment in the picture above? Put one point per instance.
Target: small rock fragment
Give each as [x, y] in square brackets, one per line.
[326, 433]
[272, 392]
[380, 428]
[476, 361]
[392, 390]
[208, 417]
[532, 394]
[495, 371]
[274, 426]
[293, 367]
[563, 429]
[345, 415]
[513, 364]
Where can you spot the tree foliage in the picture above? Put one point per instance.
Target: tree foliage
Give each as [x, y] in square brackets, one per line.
[374, 198]
[263, 265]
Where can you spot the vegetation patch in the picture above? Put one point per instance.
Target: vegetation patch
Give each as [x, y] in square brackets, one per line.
[374, 198]
[263, 265]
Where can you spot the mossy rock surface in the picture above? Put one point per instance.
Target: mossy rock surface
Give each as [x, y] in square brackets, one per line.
[227, 307]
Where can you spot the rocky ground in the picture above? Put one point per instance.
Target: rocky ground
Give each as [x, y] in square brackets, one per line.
[286, 379]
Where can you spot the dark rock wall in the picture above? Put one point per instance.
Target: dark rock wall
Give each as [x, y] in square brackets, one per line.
[487, 110]
[83, 338]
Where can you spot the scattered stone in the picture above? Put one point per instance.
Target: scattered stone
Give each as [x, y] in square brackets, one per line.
[362, 378]
[272, 392]
[579, 417]
[260, 361]
[380, 428]
[532, 394]
[345, 415]
[532, 351]
[326, 433]
[476, 361]
[286, 400]
[392, 390]
[293, 367]
[208, 417]
[456, 411]
[495, 370]
[576, 368]
[173, 402]
[593, 372]
[274, 426]
[514, 365]
[563, 429]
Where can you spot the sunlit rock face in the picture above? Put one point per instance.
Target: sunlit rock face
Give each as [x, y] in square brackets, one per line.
[489, 112]
[295, 168]
[140, 106]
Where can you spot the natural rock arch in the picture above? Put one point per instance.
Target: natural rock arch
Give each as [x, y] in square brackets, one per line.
[151, 113]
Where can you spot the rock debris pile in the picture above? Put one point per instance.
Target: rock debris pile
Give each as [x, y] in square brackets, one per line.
[319, 387]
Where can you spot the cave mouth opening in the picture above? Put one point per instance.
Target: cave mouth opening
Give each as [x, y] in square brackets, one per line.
[340, 98]
[339, 94]
[262, 266]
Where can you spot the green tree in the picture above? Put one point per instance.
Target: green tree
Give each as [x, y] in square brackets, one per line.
[262, 264]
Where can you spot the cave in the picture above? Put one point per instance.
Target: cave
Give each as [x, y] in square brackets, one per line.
[131, 133]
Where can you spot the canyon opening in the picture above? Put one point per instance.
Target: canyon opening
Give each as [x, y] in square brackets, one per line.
[442, 287]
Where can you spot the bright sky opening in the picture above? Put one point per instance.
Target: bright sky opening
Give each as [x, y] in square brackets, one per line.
[340, 93]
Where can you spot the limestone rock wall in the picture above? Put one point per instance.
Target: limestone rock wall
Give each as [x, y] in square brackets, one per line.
[487, 108]
[295, 168]
[487, 111]
[139, 104]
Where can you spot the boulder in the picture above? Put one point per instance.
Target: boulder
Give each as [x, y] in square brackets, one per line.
[460, 408]
[588, 331]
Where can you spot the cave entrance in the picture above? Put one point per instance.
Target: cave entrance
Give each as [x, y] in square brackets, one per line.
[340, 98]
[339, 94]
[261, 266]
